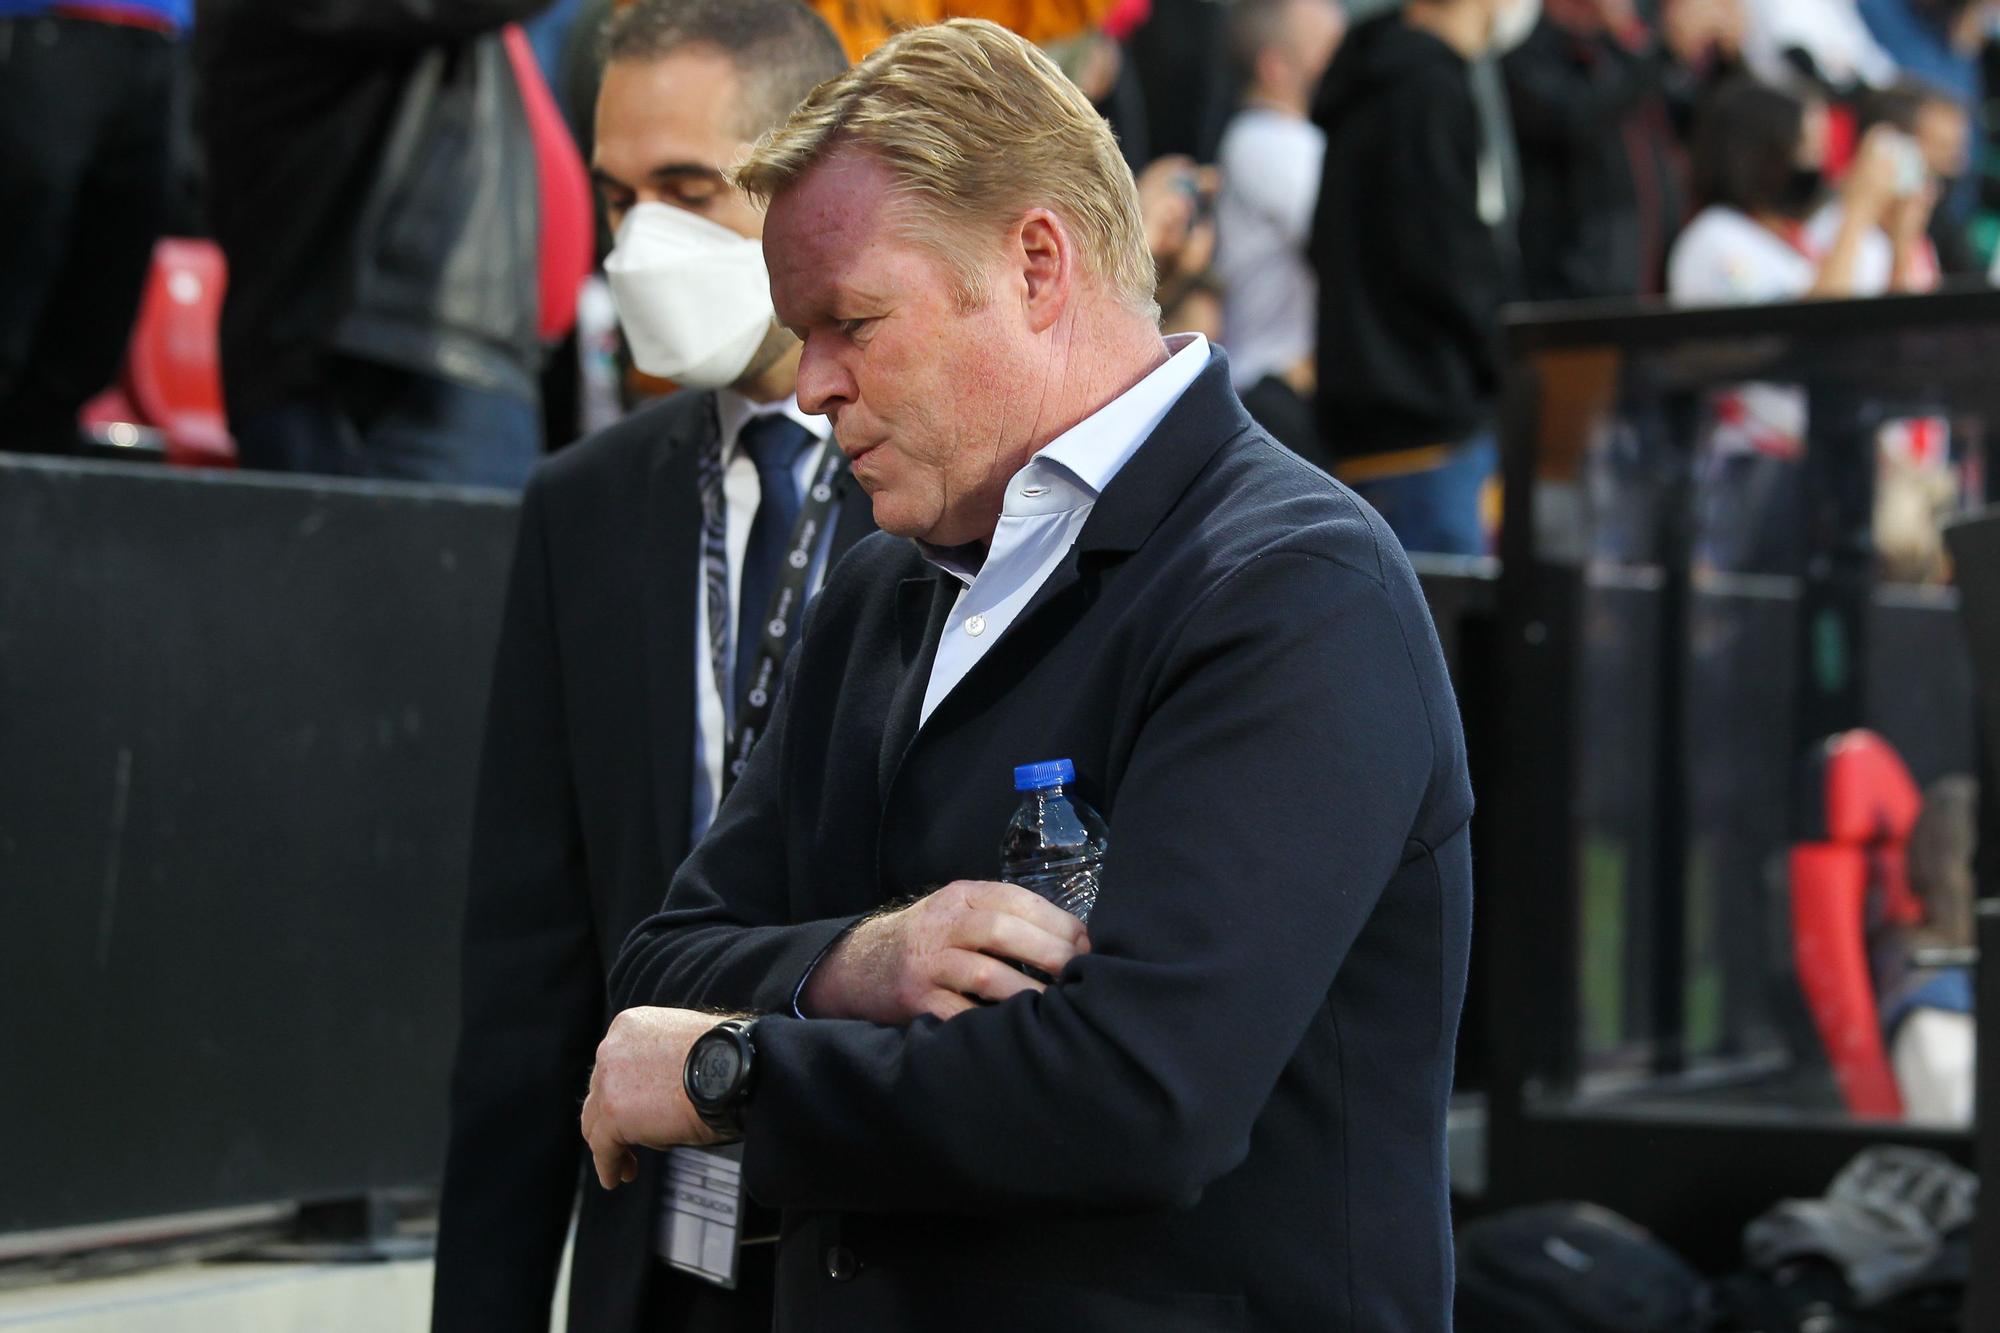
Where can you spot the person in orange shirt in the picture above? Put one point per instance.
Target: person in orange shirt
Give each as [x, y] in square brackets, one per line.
[863, 25]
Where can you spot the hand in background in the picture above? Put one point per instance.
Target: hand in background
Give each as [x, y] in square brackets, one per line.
[1869, 189]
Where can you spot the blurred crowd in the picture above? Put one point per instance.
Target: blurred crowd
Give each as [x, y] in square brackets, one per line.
[1344, 196]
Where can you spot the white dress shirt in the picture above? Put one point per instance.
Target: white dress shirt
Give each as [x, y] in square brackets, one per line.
[1047, 503]
[741, 493]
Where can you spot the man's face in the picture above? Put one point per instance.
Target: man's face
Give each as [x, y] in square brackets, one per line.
[1313, 29]
[666, 132]
[934, 404]
[1943, 132]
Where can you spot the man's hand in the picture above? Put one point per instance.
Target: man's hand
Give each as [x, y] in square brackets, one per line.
[636, 1099]
[943, 954]
[1869, 189]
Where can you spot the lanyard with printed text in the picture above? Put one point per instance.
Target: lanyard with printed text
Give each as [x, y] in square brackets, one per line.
[752, 712]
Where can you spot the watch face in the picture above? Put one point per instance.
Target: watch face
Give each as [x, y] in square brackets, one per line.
[717, 1065]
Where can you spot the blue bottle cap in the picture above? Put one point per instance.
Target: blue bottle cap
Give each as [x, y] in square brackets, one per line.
[1048, 773]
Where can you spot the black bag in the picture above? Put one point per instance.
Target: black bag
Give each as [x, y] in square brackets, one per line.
[1573, 1268]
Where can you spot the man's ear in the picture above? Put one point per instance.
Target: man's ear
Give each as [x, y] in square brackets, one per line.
[1047, 255]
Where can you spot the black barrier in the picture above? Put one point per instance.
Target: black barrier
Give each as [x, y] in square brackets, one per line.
[239, 723]
[1975, 546]
[238, 727]
[1665, 678]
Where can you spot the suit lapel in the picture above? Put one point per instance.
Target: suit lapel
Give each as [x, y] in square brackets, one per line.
[673, 565]
[1142, 494]
[922, 603]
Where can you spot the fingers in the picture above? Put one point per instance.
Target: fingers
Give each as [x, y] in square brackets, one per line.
[982, 975]
[615, 1166]
[613, 1162]
[947, 1005]
[1023, 941]
[1030, 907]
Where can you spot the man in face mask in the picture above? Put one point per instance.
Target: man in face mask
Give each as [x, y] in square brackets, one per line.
[1410, 265]
[660, 577]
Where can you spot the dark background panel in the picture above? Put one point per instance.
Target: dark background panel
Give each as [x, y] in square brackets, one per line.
[239, 722]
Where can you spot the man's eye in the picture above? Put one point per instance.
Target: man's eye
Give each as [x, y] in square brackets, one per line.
[696, 197]
[851, 327]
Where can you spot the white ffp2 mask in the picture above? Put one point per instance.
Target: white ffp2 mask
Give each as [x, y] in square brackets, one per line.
[693, 297]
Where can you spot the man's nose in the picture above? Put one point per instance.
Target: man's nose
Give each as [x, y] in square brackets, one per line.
[825, 386]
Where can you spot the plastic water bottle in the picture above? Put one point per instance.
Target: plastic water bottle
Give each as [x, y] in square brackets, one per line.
[601, 400]
[1055, 844]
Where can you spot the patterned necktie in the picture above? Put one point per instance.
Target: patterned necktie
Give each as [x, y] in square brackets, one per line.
[774, 443]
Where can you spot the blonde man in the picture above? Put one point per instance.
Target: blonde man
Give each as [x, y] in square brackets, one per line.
[1227, 1110]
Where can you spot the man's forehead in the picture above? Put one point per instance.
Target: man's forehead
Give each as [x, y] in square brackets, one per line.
[677, 103]
[821, 228]
[842, 196]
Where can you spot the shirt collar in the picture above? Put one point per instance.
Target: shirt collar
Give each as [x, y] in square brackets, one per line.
[1095, 448]
[733, 412]
[1073, 469]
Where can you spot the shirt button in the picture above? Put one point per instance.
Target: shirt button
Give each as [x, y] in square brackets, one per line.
[975, 625]
[841, 1263]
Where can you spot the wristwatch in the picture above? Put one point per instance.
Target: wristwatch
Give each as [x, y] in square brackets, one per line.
[720, 1066]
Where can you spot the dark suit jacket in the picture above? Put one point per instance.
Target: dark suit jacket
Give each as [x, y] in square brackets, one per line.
[583, 813]
[1231, 1113]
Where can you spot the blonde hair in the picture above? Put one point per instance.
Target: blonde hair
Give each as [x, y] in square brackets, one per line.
[976, 126]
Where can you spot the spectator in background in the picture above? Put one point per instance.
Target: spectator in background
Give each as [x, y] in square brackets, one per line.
[1943, 131]
[1600, 159]
[1411, 273]
[85, 97]
[1270, 160]
[1760, 174]
[1938, 44]
[1189, 87]
[1764, 234]
[863, 25]
[650, 558]
[373, 184]
[1936, 124]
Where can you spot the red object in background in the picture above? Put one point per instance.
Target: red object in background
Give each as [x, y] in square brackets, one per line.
[172, 380]
[568, 241]
[1125, 17]
[1842, 134]
[1858, 877]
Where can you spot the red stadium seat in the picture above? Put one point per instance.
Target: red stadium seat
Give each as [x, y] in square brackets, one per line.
[568, 237]
[1844, 886]
[172, 383]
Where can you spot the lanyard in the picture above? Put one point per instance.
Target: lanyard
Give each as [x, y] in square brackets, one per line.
[751, 714]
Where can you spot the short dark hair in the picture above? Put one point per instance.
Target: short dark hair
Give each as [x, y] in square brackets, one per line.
[781, 49]
[1746, 143]
[1254, 27]
[1898, 106]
